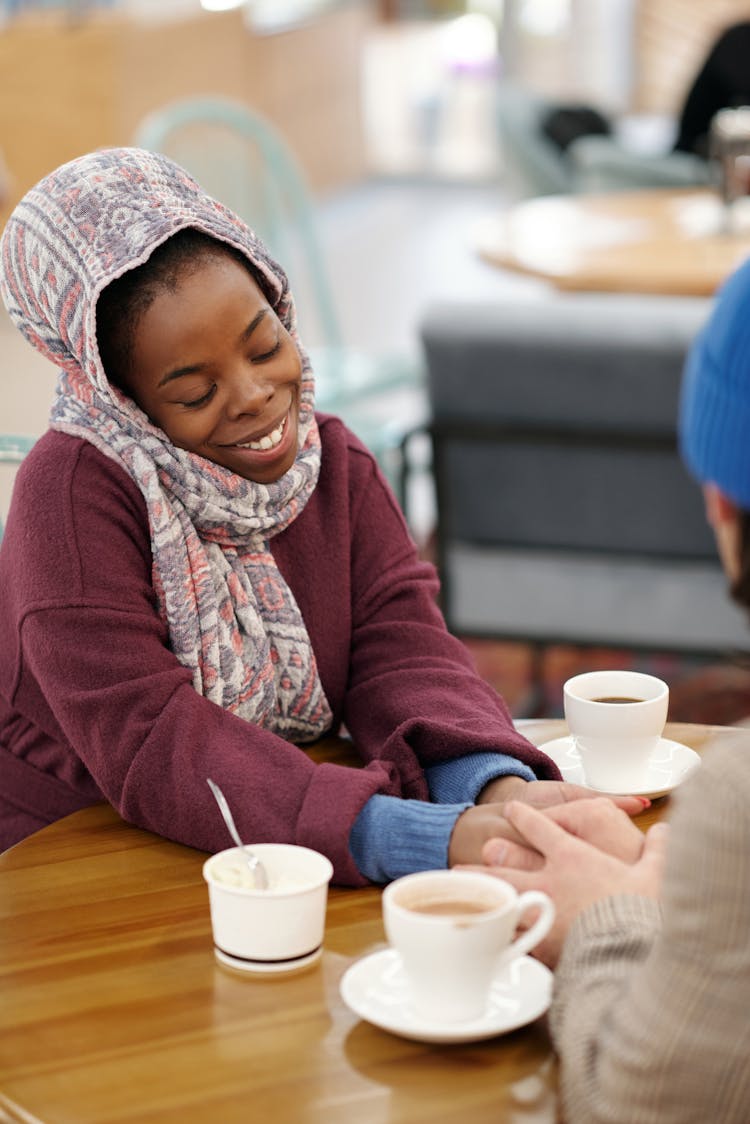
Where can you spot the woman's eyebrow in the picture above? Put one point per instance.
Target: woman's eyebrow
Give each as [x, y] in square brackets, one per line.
[196, 368]
[253, 325]
[179, 373]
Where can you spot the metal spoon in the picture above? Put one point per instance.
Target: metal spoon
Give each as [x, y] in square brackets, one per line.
[256, 866]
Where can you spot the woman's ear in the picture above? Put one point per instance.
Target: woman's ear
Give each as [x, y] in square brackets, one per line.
[719, 508]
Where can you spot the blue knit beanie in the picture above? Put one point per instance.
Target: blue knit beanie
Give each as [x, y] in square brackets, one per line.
[714, 419]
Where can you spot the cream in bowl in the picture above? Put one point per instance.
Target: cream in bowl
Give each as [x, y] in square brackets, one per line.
[232, 870]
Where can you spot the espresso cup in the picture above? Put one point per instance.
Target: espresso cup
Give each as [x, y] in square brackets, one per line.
[454, 930]
[616, 720]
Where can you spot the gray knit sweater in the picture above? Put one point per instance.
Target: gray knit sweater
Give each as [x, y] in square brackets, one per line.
[651, 1012]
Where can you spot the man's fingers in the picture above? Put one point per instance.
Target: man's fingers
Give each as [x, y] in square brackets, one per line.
[655, 845]
[521, 879]
[581, 814]
[503, 852]
[568, 791]
[536, 828]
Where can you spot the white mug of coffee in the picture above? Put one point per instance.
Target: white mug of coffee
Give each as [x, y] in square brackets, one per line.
[453, 930]
[616, 719]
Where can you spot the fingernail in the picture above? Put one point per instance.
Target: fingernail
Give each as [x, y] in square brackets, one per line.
[497, 854]
[644, 801]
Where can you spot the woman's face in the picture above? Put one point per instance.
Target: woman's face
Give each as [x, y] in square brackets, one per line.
[215, 369]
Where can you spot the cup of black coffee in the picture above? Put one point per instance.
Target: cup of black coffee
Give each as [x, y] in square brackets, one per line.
[616, 719]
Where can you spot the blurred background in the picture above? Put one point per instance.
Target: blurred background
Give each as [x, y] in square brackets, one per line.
[392, 113]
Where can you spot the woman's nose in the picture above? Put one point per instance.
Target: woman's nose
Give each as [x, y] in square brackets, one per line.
[249, 392]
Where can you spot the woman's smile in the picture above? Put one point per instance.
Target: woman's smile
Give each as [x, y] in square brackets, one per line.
[261, 453]
[267, 441]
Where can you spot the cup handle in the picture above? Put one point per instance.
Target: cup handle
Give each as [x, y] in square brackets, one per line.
[528, 940]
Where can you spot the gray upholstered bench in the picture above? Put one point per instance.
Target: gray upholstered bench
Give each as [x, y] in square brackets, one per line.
[564, 512]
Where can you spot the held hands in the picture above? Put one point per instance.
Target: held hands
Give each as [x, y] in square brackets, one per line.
[586, 848]
[596, 820]
[574, 872]
[479, 826]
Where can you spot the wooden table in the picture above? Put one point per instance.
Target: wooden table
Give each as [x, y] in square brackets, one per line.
[113, 1009]
[668, 241]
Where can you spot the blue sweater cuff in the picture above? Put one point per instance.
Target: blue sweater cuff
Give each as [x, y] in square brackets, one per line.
[391, 836]
[463, 778]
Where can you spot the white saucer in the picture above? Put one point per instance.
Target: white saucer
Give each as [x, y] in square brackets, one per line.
[669, 765]
[375, 988]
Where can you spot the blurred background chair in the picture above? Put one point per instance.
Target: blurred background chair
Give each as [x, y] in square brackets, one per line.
[533, 163]
[536, 165]
[13, 448]
[564, 513]
[240, 158]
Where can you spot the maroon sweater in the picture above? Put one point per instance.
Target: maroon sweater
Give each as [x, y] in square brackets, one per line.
[94, 705]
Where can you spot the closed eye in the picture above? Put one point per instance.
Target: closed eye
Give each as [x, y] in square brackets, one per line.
[268, 354]
[204, 398]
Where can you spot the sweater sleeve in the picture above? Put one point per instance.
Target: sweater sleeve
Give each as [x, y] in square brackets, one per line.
[392, 837]
[463, 778]
[650, 1017]
[413, 688]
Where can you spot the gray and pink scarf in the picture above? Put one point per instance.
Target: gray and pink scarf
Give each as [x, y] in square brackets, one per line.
[232, 619]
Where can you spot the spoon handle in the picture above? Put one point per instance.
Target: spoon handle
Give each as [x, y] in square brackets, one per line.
[256, 866]
[221, 800]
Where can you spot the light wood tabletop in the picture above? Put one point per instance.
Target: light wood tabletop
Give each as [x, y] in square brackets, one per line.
[114, 1009]
[668, 241]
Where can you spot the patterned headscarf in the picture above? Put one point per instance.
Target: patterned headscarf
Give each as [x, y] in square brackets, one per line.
[232, 619]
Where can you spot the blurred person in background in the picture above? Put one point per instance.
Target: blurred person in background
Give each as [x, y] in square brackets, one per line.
[723, 82]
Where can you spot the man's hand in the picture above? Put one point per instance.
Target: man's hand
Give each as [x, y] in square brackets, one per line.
[574, 873]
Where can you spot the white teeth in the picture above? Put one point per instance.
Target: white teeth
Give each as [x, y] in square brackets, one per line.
[268, 442]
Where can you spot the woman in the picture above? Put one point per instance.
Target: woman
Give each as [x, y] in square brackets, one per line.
[198, 574]
[652, 986]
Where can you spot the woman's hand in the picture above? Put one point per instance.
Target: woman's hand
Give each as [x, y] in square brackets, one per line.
[479, 826]
[545, 794]
[574, 873]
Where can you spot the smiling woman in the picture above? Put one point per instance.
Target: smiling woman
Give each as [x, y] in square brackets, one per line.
[192, 339]
[200, 575]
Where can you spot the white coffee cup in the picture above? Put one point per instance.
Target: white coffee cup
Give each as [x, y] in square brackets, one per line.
[615, 739]
[273, 930]
[453, 930]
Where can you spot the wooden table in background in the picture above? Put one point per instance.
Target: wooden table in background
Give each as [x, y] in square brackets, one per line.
[668, 241]
[113, 1009]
